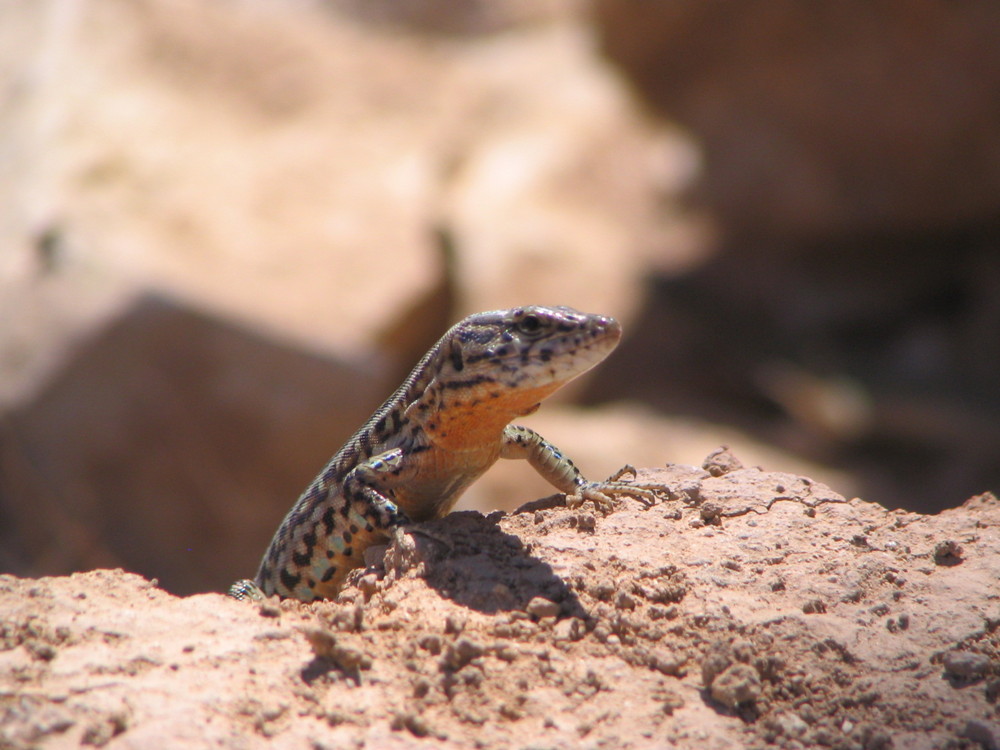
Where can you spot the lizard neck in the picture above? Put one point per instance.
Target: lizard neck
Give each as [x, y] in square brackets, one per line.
[474, 419]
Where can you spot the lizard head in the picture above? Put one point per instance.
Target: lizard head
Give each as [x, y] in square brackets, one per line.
[495, 366]
[529, 349]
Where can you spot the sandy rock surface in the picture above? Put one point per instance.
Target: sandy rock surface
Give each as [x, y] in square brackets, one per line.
[749, 609]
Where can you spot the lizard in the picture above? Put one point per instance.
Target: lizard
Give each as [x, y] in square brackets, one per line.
[449, 421]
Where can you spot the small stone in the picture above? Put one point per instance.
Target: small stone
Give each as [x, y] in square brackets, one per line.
[421, 687]
[737, 685]
[505, 652]
[853, 595]
[462, 651]
[431, 642]
[43, 651]
[965, 665]
[658, 612]
[790, 724]
[985, 734]
[602, 590]
[667, 662]
[321, 640]
[100, 732]
[416, 725]
[454, 624]
[366, 585]
[993, 690]
[721, 461]
[268, 608]
[326, 646]
[586, 522]
[570, 629]
[716, 661]
[711, 513]
[624, 600]
[814, 606]
[742, 650]
[876, 739]
[948, 552]
[541, 607]
[350, 618]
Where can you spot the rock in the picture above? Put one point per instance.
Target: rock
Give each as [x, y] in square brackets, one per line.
[541, 607]
[790, 725]
[721, 461]
[803, 136]
[986, 733]
[948, 552]
[462, 651]
[737, 685]
[965, 665]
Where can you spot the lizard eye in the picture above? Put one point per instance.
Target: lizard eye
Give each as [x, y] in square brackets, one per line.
[529, 324]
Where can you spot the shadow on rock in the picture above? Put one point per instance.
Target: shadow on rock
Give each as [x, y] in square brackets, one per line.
[469, 560]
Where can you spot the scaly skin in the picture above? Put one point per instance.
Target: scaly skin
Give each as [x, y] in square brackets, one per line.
[443, 427]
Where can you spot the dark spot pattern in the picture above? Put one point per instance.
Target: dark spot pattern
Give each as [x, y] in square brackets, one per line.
[288, 579]
[310, 539]
[456, 385]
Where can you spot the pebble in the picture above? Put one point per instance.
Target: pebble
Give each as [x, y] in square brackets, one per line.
[986, 734]
[462, 651]
[541, 607]
[790, 724]
[965, 665]
[737, 685]
[570, 629]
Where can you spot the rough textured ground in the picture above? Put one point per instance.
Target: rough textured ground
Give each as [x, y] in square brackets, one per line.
[751, 609]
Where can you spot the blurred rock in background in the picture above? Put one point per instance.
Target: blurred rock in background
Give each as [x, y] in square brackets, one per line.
[228, 228]
[851, 165]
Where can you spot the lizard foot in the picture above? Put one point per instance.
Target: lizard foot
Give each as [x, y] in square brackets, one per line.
[602, 494]
[246, 590]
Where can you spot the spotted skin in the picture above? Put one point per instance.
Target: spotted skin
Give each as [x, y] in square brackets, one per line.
[443, 427]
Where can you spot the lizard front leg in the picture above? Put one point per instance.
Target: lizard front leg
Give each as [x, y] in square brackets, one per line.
[368, 490]
[345, 521]
[368, 516]
[561, 472]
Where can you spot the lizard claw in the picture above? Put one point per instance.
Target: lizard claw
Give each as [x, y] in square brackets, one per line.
[593, 491]
[603, 494]
[246, 590]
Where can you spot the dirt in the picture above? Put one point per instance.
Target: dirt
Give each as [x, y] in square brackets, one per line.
[750, 609]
